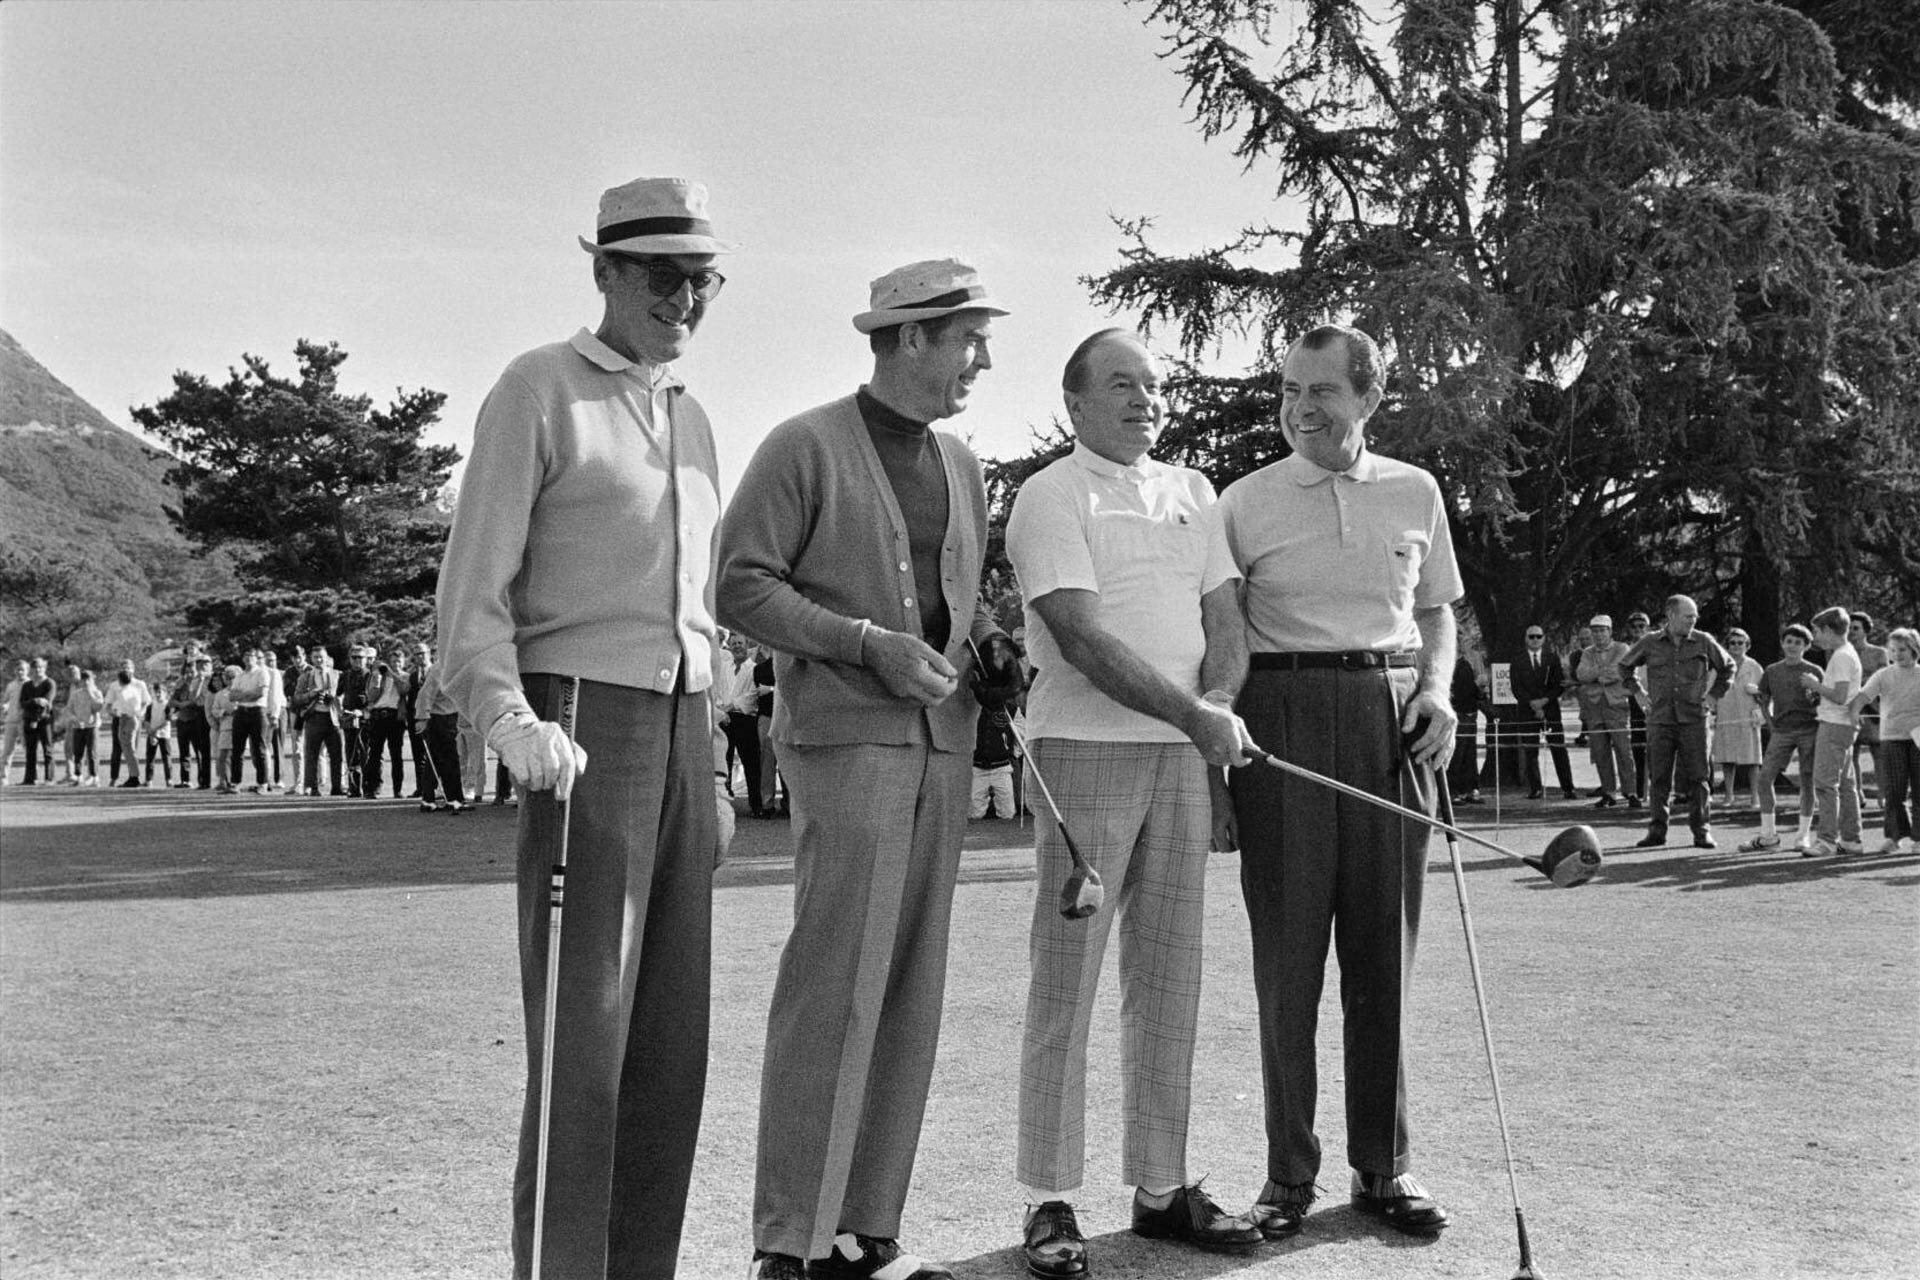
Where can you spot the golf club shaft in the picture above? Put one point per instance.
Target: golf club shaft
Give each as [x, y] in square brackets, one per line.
[1445, 798]
[1027, 753]
[1380, 802]
[1047, 795]
[556, 901]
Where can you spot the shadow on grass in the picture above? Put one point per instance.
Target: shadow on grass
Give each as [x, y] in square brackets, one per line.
[1119, 1254]
[1695, 870]
[85, 846]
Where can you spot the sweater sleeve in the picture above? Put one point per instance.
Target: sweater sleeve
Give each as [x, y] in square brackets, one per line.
[766, 528]
[479, 664]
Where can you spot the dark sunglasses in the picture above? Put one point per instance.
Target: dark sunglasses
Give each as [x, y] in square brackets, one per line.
[664, 279]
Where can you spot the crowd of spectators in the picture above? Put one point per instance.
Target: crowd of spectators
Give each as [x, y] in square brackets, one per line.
[1763, 717]
[307, 729]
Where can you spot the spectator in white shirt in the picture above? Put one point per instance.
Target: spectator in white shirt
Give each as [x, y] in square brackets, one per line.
[247, 695]
[128, 698]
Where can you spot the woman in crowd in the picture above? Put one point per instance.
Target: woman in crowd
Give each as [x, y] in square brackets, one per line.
[1736, 720]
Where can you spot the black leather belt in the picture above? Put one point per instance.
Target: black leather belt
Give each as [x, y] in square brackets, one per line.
[1351, 660]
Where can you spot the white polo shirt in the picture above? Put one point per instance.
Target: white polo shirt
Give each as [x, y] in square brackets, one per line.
[1147, 540]
[1339, 560]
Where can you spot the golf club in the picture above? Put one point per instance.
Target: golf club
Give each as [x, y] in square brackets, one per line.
[1526, 1271]
[556, 900]
[1083, 893]
[1571, 858]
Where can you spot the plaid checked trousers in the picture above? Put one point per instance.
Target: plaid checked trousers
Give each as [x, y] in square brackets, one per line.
[1141, 814]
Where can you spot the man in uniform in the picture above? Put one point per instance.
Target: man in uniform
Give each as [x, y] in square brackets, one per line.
[1687, 671]
[1350, 582]
[580, 557]
[1134, 613]
[853, 550]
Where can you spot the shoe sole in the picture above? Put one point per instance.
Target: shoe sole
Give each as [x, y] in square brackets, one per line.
[1403, 1227]
[1274, 1234]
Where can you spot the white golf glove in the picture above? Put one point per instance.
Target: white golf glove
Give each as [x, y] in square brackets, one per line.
[537, 753]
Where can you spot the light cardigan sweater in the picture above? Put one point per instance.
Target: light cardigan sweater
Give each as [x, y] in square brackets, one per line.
[584, 534]
[812, 544]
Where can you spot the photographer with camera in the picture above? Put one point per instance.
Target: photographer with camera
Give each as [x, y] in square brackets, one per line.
[316, 715]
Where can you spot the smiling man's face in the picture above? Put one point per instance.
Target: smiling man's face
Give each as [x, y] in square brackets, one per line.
[1323, 417]
[1123, 407]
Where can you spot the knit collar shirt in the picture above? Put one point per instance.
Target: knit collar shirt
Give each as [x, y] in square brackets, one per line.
[1339, 560]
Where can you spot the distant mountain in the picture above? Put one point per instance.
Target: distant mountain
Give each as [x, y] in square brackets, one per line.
[71, 480]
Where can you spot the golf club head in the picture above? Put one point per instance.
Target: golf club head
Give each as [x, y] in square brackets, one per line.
[1570, 858]
[1528, 1273]
[1083, 893]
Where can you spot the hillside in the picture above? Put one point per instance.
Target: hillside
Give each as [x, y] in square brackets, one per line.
[71, 480]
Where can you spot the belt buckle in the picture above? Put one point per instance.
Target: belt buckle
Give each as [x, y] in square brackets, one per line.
[1356, 661]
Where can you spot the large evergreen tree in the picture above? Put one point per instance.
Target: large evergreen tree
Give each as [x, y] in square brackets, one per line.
[322, 496]
[1646, 269]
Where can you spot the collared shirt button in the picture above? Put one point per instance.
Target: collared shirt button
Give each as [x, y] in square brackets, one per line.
[904, 566]
[908, 602]
[666, 673]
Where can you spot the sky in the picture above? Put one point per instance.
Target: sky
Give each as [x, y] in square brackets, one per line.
[182, 183]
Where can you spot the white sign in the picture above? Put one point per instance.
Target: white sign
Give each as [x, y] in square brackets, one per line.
[1500, 675]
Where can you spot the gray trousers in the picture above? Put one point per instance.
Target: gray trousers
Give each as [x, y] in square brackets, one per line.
[630, 1027]
[856, 1004]
[1315, 867]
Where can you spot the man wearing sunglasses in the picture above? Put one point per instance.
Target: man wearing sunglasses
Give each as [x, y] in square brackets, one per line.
[580, 557]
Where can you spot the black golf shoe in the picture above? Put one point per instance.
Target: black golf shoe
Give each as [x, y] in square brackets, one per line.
[1192, 1217]
[776, 1266]
[1402, 1203]
[1053, 1244]
[1282, 1210]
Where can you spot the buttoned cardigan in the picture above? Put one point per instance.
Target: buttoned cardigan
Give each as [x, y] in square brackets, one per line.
[813, 545]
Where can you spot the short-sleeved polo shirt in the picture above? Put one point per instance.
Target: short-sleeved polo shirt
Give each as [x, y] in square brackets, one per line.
[1339, 560]
[1146, 540]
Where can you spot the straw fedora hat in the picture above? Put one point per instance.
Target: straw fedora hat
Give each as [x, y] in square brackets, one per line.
[655, 215]
[925, 291]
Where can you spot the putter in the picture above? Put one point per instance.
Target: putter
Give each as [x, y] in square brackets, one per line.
[556, 900]
[1526, 1271]
[1571, 858]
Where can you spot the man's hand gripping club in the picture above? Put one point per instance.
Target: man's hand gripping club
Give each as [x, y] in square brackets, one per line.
[537, 753]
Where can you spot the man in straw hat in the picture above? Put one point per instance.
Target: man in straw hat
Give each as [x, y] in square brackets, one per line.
[581, 551]
[853, 549]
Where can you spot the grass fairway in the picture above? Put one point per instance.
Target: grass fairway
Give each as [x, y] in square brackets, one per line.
[261, 1037]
